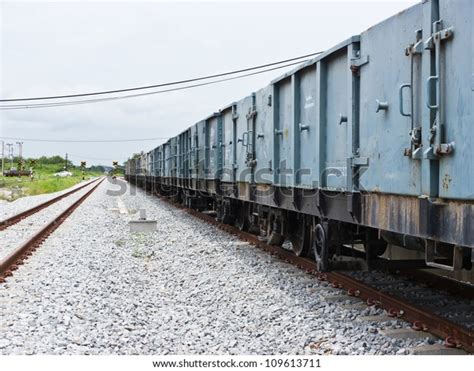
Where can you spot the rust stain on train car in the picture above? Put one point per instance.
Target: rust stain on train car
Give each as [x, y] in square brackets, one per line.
[442, 220]
[446, 181]
[391, 213]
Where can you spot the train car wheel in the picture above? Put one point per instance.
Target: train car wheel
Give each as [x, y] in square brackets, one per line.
[274, 229]
[228, 216]
[300, 237]
[321, 247]
[242, 220]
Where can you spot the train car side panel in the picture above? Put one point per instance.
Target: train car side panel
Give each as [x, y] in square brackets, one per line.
[386, 121]
[334, 173]
[456, 103]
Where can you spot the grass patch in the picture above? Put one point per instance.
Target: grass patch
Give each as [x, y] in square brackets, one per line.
[140, 253]
[42, 182]
[137, 253]
[51, 185]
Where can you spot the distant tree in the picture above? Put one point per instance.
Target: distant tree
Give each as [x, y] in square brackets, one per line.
[96, 168]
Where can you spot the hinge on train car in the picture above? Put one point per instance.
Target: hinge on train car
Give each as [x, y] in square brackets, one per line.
[438, 34]
[415, 150]
[359, 161]
[250, 161]
[413, 49]
[416, 48]
[235, 115]
[355, 168]
[358, 61]
[252, 112]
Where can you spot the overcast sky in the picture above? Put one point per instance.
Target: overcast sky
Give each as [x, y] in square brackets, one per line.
[73, 47]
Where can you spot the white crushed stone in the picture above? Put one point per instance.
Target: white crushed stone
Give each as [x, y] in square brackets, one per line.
[188, 288]
[18, 233]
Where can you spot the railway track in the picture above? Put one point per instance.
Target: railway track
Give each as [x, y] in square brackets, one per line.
[397, 305]
[4, 224]
[16, 257]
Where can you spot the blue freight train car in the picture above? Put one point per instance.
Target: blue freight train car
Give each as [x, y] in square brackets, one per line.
[368, 144]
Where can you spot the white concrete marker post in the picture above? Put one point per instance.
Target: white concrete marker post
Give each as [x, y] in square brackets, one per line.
[142, 225]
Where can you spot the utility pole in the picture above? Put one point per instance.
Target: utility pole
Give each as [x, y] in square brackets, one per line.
[20, 149]
[20, 155]
[3, 157]
[10, 153]
[65, 166]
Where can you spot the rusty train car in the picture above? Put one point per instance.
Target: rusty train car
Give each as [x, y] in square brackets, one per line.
[367, 145]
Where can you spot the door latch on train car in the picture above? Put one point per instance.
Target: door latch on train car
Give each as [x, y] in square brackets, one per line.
[439, 35]
[415, 150]
[250, 161]
[434, 89]
[251, 114]
[245, 139]
[400, 94]
[358, 61]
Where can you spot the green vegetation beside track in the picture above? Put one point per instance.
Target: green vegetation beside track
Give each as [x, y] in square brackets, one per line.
[43, 179]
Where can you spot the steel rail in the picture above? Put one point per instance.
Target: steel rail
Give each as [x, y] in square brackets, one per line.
[4, 224]
[11, 262]
[456, 288]
[420, 318]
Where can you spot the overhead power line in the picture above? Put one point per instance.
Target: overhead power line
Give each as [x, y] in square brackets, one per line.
[84, 140]
[160, 85]
[97, 100]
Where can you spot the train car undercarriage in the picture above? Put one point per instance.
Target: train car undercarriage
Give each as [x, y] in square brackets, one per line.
[335, 243]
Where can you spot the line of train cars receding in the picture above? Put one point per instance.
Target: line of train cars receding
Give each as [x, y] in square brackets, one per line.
[370, 144]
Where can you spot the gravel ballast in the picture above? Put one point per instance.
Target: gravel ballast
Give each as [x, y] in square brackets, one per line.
[188, 288]
[19, 233]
